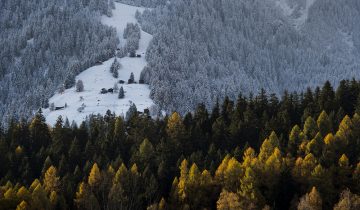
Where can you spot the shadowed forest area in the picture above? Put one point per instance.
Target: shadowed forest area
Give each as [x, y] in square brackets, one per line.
[258, 152]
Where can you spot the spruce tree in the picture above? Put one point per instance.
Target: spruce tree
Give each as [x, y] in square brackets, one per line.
[121, 93]
[357, 106]
[311, 200]
[51, 180]
[39, 132]
[132, 78]
[114, 69]
[132, 112]
[324, 124]
[79, 86]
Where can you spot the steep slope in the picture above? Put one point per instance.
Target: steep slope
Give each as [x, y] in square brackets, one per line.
[203, 50]
[44, 44]
[98, 77]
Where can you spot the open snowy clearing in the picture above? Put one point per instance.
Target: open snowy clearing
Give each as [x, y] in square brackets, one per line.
[98, 77]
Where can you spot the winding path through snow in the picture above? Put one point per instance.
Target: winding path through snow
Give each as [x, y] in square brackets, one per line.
[97, 77]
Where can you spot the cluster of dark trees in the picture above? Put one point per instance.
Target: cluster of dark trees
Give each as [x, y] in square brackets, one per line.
[258, 152]
[115, 67]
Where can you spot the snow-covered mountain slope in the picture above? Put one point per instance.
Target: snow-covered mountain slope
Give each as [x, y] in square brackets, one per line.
[98, 77]
[203, 50]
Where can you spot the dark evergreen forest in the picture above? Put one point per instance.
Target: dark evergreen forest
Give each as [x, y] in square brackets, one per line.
[258, 152]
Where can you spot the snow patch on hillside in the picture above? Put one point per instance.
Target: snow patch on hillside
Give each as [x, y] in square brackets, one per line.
[99, 76]
[286, 9]
[297, 13]
[304, 13]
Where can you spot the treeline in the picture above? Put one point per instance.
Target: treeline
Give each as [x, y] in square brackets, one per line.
[259, 152]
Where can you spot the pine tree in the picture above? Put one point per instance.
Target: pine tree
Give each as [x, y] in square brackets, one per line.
[303, 168]
[231, 175]
[348, 201]
[39, 132]
[79, 86]
[249, 192]
[345, 130]
[85, 199]
[356, 178]
[51, 180]
[310, 127]
[94, 179]
[40, 199]
[23, 194]
[344, 172]
[228, 201]
[315, 145]
[324, 124]
[357, 106]
[146, 154]
[22, 206]
[311, 201]
[176, 131]
[327, 98]
[121, 93]
[115, 67]
[132, 112]
[132, 78]
[295, 139]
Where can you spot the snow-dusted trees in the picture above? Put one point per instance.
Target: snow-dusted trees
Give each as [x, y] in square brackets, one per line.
[144, 3]
[114, 69]
[132, 30]
[62, 89]
[132, 35]
[132, 78]
[243, 46]
[51, 44]
[52, 107]
[121, 93]
[131, 112]
[116, 88]
[79, 86]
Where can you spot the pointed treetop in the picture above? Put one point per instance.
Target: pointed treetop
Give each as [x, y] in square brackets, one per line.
[94, 176]
[344, 161]
[134, 169]
[51, 180]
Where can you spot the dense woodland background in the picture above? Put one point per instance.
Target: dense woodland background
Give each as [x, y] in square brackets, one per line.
[201, 48]
[258, 152]
[205, 49]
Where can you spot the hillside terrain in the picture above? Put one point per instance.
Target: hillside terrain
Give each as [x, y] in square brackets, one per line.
[200, 51]
[203, 50]
[44, 45]
[99, 76]
[180, 104]
[299, 152]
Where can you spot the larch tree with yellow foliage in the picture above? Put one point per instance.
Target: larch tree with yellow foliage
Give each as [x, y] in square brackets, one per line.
[94, 179]
[51, 180]
[324, 124]
[311, 201]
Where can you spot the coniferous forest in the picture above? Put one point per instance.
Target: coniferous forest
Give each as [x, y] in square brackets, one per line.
[258, 152]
